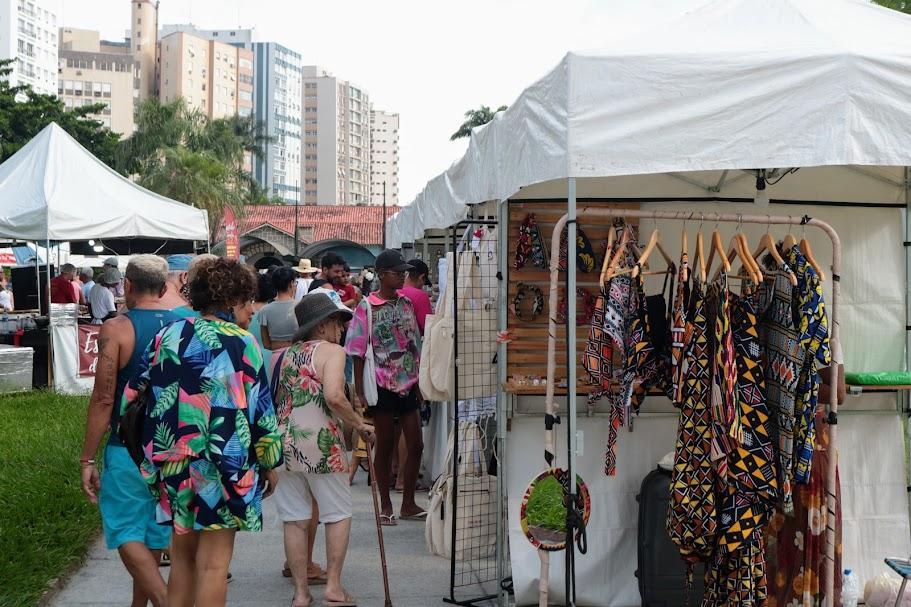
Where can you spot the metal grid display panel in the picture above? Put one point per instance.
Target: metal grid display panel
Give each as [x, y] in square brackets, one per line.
[473, 500]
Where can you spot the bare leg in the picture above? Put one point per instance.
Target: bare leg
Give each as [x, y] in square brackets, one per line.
[296, 547]
[401, 457]
[337, 535]
[313, 569]
[142, 564]
[384, 426]
[182, 578]
[213, 556]
[411, 430]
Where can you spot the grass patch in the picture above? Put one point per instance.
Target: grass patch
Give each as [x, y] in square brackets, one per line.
[47, 524]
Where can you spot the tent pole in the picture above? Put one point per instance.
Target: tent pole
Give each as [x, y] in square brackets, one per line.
[502, 505]
[906, 398]
[38, 277]
[571, 247]
[50, 332]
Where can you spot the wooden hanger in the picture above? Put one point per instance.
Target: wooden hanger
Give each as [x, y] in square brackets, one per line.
[807, 251]
[612, 268]
[700, 256]
[653, 243]
[608, 254]
[767, 243]
[684, 270]
[788, 243]
[745, 252]
[717, 247]
[738, 249]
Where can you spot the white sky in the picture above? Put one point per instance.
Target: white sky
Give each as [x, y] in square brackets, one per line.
[428, 60]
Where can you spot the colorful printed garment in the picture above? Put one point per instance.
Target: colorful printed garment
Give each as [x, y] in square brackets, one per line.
[585, 254]
[678, 328]
[396, 341]
[796, 545]
[813, 329]
[530, 245]
[313, 442]
[691, 516]
[725, 417]
[210, 426]
[784, 360]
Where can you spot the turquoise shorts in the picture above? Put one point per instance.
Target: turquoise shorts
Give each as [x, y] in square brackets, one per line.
[127, 507]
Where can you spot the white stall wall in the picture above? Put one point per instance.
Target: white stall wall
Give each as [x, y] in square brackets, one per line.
[66, 363]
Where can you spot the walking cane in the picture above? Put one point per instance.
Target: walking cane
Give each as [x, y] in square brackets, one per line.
[379, 527]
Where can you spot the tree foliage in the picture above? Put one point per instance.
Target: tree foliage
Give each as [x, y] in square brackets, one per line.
[24, 113]
[899, 5]
[474, 119]
[180, 153]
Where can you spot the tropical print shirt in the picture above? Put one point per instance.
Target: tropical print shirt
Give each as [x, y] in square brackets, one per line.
[210, 425]
[313, 442]
[396, 341]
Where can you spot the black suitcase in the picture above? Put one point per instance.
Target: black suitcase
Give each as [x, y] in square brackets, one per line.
[661, 571]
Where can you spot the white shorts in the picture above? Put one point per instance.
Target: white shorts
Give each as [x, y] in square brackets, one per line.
[296, 491]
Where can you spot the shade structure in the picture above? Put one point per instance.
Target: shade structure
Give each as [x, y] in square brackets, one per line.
[694, 106]
[55, 189]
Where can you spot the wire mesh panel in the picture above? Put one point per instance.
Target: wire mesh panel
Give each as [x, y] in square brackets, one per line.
[473, 499]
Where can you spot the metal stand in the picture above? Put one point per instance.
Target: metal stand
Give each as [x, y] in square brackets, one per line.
[570, 220]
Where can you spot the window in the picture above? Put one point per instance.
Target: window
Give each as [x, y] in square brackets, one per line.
[106, 89]
[68, 87]
[77, 88]
[246, 64]
[246, 95]
[88, 88]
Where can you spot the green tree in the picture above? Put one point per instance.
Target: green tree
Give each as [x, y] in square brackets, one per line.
[899, 5]
[474, 119]
[23, 113]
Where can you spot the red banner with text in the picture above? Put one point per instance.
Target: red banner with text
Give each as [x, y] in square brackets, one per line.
[87, 336]
[232, 238]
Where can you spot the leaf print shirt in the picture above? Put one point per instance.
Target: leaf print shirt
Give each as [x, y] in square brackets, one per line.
[396, 341]
[312, 438]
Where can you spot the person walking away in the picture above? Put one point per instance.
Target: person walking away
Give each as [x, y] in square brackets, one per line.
[396, 345]
[62, 291]
[306, 270]
[127, 507]
[312, 407]
[101, 297]
[182, 269]
[265, 293]
[87, 276]
[277, 322]
[112, 263]
[77, 285]
[211, 435]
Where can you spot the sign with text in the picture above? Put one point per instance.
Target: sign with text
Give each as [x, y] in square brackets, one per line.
[232, 238]
[87, 338]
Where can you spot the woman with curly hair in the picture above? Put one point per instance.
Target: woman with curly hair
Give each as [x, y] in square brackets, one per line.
[211, 436]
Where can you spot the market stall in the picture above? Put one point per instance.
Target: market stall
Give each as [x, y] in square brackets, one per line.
[773, 108]
[52, 191]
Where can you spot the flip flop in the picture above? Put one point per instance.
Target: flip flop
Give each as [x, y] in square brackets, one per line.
[388, 520]
[420, 516]
[349, 601]
[165, 560]
[320, 579]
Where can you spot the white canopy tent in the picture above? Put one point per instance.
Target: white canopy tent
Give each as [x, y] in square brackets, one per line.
[54, 189]
[806, 98]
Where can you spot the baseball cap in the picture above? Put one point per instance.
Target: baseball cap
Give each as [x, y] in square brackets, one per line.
[112, 261]
[179, 263]
[419, 267]
[391, 260]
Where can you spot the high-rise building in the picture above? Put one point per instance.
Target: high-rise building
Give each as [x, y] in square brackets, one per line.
[336, 125]
[143, 44]
[384, 157]
[28, 34]
[277, 105]
[96, 71]
[206, 74]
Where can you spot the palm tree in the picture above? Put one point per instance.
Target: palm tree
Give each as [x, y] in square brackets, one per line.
[474, 119]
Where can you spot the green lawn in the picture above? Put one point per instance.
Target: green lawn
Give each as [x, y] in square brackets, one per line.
[48, 524]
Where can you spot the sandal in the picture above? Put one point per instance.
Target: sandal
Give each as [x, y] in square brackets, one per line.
[418, 516]
[348, 601]
[388, 520]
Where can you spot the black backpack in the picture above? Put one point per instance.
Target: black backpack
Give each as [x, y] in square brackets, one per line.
[133, 421]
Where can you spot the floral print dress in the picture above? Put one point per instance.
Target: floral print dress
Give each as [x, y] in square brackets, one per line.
[210, 426]
[313, 441]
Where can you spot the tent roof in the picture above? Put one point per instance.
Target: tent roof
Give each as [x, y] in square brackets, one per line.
[731, 85]
[54, 188]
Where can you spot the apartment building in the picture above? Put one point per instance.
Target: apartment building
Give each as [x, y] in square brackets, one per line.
[206, 73]
[277, 105]
[336, 140]
[93, 71]
[143, 40]
[28, 34]
[384, 157]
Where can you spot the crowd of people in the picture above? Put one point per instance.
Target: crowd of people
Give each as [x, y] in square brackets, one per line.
[252, 385]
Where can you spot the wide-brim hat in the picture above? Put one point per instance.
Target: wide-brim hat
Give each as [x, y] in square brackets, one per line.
[314, 308]
[304, 266]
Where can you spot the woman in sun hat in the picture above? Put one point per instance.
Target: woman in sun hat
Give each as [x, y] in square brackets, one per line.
[307, 272]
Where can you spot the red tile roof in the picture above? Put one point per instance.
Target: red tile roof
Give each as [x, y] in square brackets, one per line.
[360, 224]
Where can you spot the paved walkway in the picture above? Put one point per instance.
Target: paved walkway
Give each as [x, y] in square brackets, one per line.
[417, 578]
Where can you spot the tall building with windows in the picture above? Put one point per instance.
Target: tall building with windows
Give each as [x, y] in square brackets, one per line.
[144, 44]
[28, 34]
[207, 74]
[93, 71]
[336, 129]
[384, 157]
[277, 105]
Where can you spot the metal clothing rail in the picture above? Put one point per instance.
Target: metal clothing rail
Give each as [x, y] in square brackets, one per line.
[569, 220]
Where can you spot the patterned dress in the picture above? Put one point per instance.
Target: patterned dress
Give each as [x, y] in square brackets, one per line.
[210, 426]
[312, 438]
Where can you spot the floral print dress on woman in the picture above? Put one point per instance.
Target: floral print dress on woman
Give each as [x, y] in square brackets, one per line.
[210, 426]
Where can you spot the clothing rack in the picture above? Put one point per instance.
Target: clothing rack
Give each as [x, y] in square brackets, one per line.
[569, 221]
